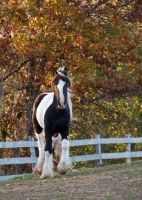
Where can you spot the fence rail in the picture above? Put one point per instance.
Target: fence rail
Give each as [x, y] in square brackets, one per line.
[99, 156]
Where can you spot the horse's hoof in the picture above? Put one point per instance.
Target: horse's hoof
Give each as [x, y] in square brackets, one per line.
[46, 175]
[61, 171]
[63, 168]
[37, 171]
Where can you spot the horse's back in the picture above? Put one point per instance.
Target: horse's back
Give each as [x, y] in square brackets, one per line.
[41, 104]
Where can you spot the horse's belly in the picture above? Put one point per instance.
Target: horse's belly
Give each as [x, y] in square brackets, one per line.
[43, 106]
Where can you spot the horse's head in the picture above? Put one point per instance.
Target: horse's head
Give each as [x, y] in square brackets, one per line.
[60, 83]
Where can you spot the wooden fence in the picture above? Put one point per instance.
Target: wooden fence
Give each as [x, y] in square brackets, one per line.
[99, 156]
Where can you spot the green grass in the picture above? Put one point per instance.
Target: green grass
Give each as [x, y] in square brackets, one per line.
[122, 181]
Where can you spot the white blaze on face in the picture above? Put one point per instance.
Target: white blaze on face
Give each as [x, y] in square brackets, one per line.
[60, 88]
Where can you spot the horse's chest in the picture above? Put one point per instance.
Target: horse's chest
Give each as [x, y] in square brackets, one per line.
[60, 122]
[57, 122]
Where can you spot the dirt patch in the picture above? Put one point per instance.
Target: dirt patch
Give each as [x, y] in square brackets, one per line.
[116, 182]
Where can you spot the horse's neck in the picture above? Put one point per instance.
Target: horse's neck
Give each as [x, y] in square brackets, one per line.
[68, 102]
[55, 103]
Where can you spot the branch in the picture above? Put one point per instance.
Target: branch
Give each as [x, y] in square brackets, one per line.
[87, 5]
[95, 7]
[16, 70]
[128, 3]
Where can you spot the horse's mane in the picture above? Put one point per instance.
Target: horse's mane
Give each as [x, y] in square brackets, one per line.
[62, 71]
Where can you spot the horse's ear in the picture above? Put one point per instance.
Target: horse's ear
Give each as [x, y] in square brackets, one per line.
[54, 71]
[66, 69]
[55, 80]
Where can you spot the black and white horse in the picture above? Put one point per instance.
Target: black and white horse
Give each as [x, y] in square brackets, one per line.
[52, 113]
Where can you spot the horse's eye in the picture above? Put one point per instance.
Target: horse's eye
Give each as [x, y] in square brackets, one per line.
[68, 84]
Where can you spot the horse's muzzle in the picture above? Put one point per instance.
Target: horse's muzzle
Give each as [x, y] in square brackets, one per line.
[61, 105]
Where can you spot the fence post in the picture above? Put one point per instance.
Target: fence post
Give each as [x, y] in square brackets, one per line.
[128, 149]
[33, 152]
[98, 150]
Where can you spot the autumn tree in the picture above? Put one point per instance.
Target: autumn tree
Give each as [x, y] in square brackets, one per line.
[100, 42]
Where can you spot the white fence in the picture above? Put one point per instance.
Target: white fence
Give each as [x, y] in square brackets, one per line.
[99, 156]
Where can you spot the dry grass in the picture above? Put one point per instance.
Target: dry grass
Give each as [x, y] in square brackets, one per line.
[115, 182]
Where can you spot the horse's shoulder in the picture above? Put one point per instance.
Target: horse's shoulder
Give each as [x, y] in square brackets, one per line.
[41, 97]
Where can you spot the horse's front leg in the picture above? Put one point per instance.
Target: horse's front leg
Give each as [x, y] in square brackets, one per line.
[65, 162]
[47, 171]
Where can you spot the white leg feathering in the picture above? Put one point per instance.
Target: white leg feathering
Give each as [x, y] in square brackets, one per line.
[65, 162]
[47, 171]
[40, 162]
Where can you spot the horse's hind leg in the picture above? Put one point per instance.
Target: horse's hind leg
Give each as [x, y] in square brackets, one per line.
[40, 162]
[38, 132]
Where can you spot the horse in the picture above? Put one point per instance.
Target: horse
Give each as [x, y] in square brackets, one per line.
[52, 113]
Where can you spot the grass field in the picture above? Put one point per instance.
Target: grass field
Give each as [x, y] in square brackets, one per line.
[113, 182]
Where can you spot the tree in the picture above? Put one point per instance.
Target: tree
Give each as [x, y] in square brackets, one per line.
[100, 43]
